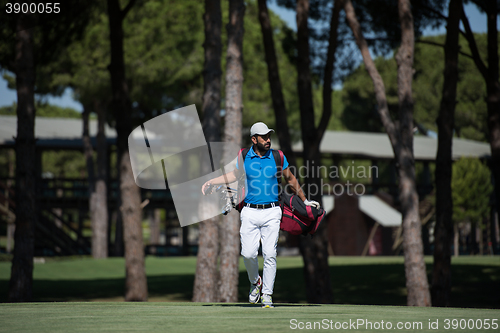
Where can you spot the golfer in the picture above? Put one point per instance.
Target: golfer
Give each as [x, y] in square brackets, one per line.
[261, 214]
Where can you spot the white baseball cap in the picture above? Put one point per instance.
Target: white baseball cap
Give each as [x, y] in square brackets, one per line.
[260, 129]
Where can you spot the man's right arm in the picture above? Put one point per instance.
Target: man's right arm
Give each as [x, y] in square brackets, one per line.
[228, 178]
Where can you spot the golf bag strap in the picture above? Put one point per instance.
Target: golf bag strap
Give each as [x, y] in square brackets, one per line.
[279, 159]
[241, 161]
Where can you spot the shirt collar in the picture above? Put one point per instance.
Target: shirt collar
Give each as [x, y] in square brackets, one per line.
[253, 154]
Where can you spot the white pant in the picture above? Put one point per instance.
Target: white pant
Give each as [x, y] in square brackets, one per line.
[264, 225]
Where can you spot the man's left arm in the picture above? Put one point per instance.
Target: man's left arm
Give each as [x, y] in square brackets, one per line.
[294, 185]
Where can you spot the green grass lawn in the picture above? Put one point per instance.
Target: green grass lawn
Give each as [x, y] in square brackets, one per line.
[355, 280]
[203, 317]
[377, 282]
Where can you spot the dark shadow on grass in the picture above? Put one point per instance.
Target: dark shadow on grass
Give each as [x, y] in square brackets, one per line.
[235, 305]
[276, 305]
[473, 286]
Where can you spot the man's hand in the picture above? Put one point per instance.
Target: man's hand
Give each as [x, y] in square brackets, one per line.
[205, 186]
[228, 178]
[312, 203]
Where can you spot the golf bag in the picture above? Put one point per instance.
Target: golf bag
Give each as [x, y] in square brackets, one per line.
[297, 218]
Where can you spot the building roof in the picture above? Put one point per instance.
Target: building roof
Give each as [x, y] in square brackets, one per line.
[378, 210]
[377, 145]
[52, 132]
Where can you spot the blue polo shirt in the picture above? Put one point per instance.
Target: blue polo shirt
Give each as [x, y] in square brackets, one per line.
[261, 183]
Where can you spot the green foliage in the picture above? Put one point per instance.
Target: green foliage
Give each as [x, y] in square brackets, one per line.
[256, 89]
[64, 164]
[7, 161]
[89, 57]
[471, 110]
[471, 190]
[335, 123]
[360, 107]
[44, 110]
[470, 116]
[52, 33]
[164, 57]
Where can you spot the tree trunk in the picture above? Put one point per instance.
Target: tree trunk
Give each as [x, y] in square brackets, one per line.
[135, 277]
[118, 244]
[456, 240]
[416, 276]
[21, 278]
[443, 231]
[100, 217]
[493, 98]
[118, 247]
[154, 226]
[229, 231]
[491, 77]
[473, 238]
[280, 112]
[480, 233]
[328, 71]
[402, 143]
[11, 226]
[88, 151]
[314, 251]
[89, 158]
[492, 242]
[206, 278]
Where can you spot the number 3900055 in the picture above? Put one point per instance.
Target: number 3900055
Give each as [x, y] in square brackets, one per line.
[33, 8]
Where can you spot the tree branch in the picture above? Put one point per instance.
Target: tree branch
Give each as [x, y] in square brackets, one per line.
[473, 47]
[327, 79]
[127, 8]
[442, 45]
[280, 113]
[438, 13]
[378, 83]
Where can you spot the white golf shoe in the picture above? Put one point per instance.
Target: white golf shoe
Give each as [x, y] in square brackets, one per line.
[254, 295]
[267, 301]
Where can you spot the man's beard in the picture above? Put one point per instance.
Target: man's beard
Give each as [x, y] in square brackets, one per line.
[261, 147]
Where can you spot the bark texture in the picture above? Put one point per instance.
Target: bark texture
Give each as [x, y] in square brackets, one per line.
[11, 226]
[212, 70]
[230, 226]
[154, 226]
[100, 217]
[416, 276]
[135, 275]
[280, 112]
[88, 152]
[21, 278]
[443, 231]
[401, 139]
[206, 279]
[314, 251]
